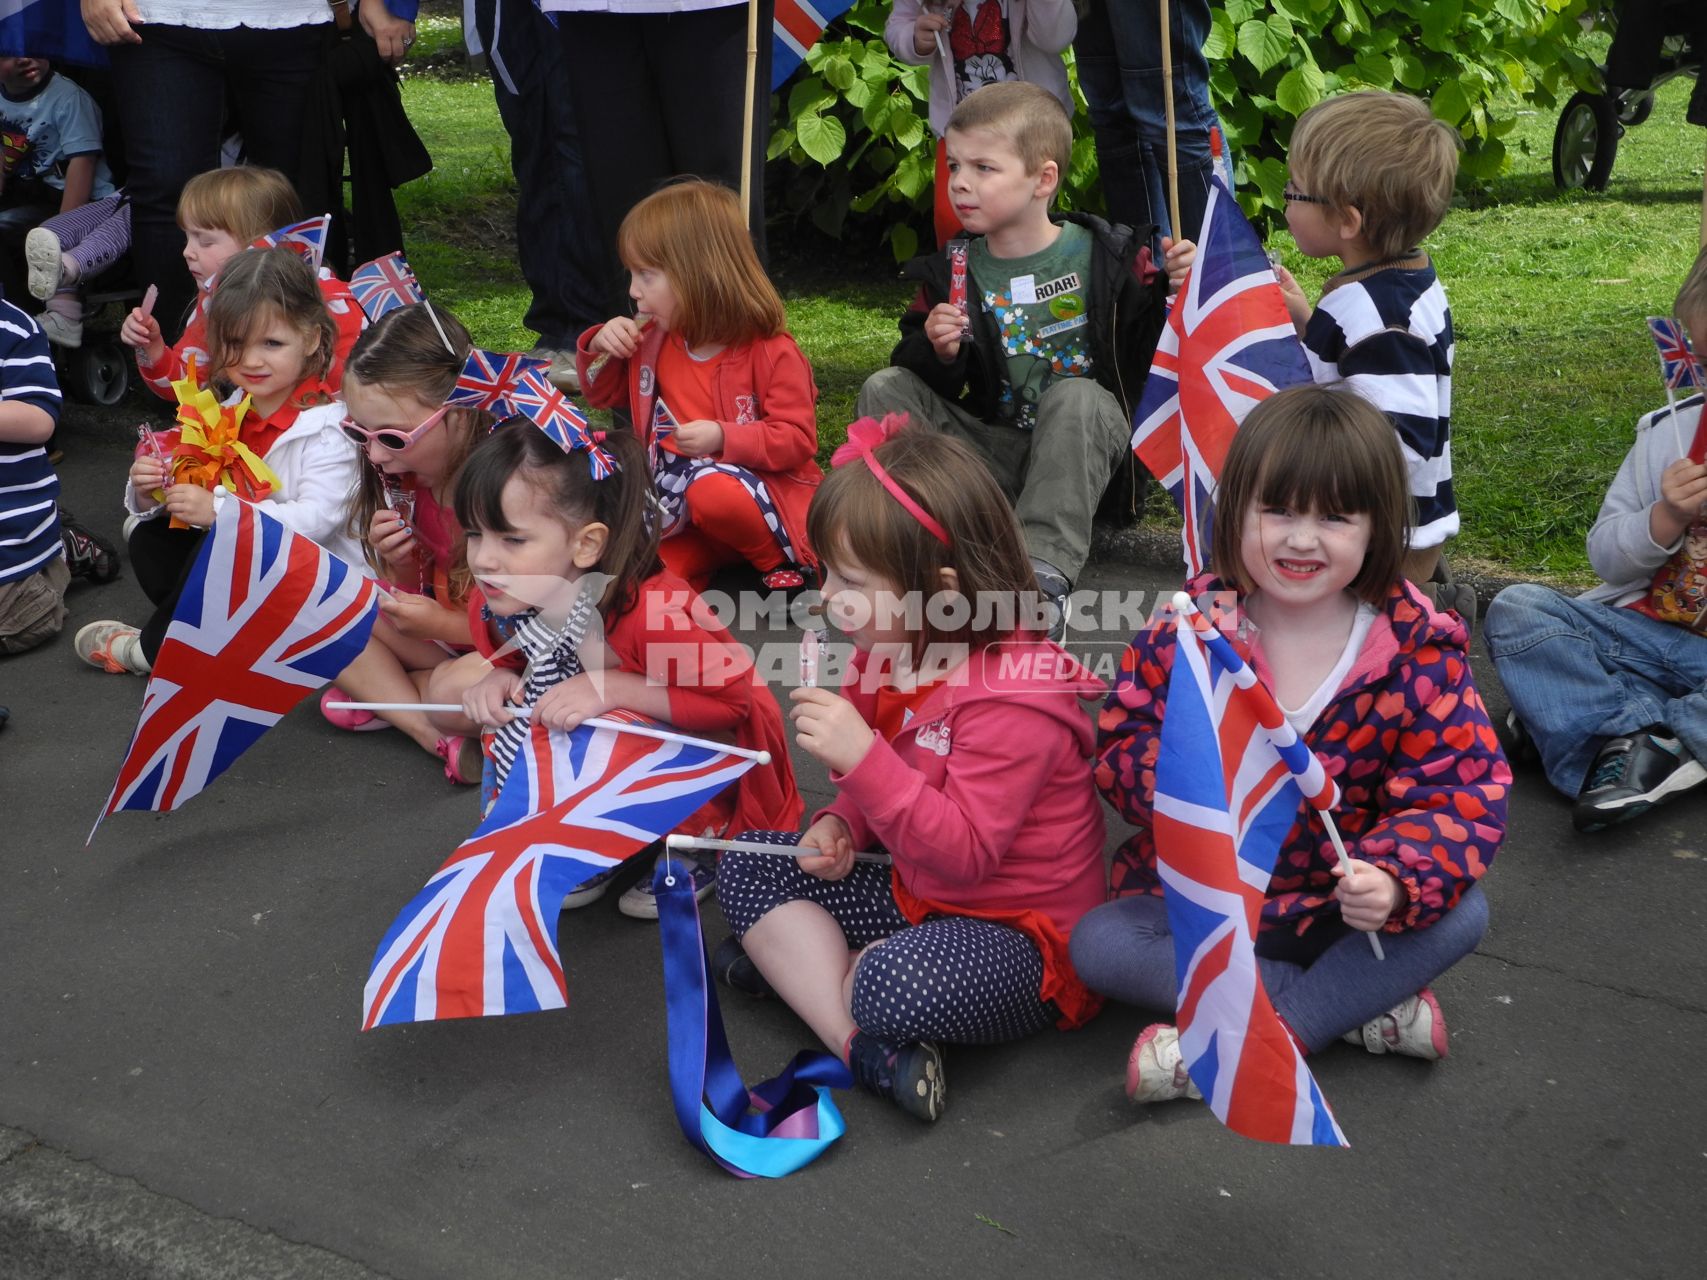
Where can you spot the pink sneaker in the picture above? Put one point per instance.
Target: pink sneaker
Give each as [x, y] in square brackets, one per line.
[1415, 1028]
[1155, 1071]
[353, 721]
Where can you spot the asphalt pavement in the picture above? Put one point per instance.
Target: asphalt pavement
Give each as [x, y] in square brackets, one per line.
[185, 1091]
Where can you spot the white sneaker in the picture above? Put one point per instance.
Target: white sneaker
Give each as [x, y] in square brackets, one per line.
[46, 259]
[1155, 1071]
[588, 891]
[60, 330]
[111, 646]
[1414, 1027]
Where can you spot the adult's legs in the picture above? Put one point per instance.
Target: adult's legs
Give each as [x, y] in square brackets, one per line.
[171, 89]
[1122, 169]
[1578, 673]
[1081, 434]
[268, 74]
[557, 238]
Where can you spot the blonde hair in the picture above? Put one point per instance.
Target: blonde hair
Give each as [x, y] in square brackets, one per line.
[853, 510]
[1691, 304]
[256, 285]
[696, 233]
[245, 202]
[1027, 115]
[1383, 154]
[1317, 449]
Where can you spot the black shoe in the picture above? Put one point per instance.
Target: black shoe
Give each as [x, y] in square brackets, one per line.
[909, 1075]
[1056, 594]
[1519, 746]
[88, 556]
[735, 969]
[1633, 774]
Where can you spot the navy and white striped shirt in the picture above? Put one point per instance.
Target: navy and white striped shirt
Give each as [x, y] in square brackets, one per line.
[29, 488]
[1387, 334]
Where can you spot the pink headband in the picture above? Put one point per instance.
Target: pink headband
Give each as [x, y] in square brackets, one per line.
[863, 437]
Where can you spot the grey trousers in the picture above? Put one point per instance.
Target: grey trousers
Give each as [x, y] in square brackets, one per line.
[1054, 474]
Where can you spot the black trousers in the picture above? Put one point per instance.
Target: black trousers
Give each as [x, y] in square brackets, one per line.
[660, 95]
[161, 558]
[172, 90]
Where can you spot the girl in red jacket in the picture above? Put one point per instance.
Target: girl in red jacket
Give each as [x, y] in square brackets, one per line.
[717, 389]
[959, 746]
[542, 532]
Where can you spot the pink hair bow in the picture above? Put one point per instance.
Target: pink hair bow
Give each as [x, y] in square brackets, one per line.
[866, 435]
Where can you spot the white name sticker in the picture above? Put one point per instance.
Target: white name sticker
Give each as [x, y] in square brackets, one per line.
[1023, 290]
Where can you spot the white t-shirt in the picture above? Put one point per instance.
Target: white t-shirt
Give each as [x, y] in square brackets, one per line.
[222, 15]
[634, 6]
[1305, 716]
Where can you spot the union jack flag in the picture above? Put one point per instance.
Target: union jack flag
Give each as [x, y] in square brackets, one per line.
[487, 380]
[481, 938]
[1678, 364]
[307, 238]
[534, 397]
[384, 285]
[796, 28]
[1226, 795]
[266, 617]
[1228, 345]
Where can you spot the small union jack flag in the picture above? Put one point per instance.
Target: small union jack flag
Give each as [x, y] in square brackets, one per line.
[307, 238]
[795, 29]
[487, 379]
[1231, 776]
[1228, 345]
[266, 617]
[481, 938]
[384, 285]
[1678, 364]
[533, 396]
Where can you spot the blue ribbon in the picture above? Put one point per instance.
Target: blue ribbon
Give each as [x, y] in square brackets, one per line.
[776, 1127]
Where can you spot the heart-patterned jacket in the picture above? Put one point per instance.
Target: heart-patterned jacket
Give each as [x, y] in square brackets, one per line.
[1423, 782]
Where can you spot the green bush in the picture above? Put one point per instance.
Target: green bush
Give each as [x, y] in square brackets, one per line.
[853, 154]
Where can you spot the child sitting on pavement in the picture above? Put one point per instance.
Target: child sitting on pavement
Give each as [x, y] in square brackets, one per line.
[1371, 175]
[1611, 685]
[1039, 366]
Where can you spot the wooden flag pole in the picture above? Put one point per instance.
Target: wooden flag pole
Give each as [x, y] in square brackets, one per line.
[1704, 208]
[747, 112]
[1168, 106]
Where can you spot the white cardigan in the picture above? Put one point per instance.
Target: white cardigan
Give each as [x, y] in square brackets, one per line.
[318, 467]
[1038, 31]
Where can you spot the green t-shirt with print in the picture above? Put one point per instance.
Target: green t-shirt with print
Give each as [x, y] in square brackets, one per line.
[1040, 305]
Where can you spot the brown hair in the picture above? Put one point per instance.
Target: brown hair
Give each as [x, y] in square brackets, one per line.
[245, 202]
[1383, 154]
[402, 353]
[1316, 449]
[255, 285]
[622, 501]
[853, 511]
[696, 234]
[1691, 304]
[1027, 115]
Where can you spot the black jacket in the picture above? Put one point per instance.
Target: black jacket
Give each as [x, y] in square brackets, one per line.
[1125, 302]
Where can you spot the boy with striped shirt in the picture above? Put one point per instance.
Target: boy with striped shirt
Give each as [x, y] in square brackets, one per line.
[1371, 175]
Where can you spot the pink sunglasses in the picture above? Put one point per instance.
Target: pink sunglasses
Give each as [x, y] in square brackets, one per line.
[389, 437]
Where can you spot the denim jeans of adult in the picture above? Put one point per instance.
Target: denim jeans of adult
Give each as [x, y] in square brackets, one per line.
[1323, 984]
[1578, 673]
[557, 234]
[1119, 54]
[173, 90]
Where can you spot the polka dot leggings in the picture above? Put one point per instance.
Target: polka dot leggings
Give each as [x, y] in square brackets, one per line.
[951, 978]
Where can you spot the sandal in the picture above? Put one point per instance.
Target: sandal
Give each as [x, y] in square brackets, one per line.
[463, 760]
[353, 721]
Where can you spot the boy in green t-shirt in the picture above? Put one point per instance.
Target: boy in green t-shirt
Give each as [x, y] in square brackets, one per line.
[1041, 371]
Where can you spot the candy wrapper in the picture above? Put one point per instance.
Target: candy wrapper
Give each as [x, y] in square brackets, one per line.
[957, 284]
[596, 365]
[812, 646]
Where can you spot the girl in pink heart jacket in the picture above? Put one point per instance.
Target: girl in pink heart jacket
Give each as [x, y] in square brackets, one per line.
[1310, 531]
[960, 747]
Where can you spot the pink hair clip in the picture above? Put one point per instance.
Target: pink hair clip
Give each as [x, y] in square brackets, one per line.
[866, 435]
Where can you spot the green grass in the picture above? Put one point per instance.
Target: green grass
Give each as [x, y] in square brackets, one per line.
[1548, 294]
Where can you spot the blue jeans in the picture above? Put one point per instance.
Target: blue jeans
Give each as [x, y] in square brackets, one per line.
[1119, 55]
[1578, 673]
[1323, 984]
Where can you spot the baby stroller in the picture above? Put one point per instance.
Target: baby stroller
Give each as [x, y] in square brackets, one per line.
[1653, 41]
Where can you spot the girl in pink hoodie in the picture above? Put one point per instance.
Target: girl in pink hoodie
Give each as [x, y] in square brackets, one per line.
[959, 746]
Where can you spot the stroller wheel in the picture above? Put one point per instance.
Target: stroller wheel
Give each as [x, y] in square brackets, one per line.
[99, 372]
[1586, 142]
[1634, 108]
